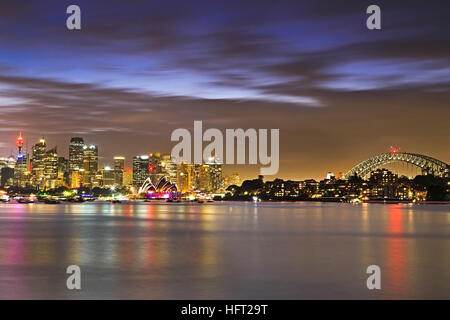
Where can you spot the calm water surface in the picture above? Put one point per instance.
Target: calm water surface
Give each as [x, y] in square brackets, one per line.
[230, 250]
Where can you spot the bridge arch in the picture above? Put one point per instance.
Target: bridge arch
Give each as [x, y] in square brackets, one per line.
[427, 164]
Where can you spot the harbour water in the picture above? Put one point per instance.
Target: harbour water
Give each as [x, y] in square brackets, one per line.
[224, 250]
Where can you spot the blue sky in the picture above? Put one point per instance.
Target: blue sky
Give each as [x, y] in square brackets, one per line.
[144, 68]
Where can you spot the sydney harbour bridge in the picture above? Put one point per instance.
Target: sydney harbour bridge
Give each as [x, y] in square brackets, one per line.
[428, 165]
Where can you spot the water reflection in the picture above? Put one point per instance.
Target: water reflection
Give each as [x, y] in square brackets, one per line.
[224, 250]
[396, 251]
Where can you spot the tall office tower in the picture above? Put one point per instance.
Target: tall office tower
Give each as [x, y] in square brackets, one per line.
[169, 168]
[38, 157]
[21, 173]
[51, 168]
[98, 179]
[184, 177]
[90, 164]
[156, 171]
[7, 170]
[140, 170]
[7, 176]
[63, 171]
[204, 184]
[108, 177]
[76, 148]
[7, 162]
[195, 176]
[119, 167]
[76, 178]
[127, 178]
[215, 174]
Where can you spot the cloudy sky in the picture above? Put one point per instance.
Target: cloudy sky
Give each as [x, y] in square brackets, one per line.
[338, 92]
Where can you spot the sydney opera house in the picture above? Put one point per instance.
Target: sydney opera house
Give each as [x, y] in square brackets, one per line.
[163, 189]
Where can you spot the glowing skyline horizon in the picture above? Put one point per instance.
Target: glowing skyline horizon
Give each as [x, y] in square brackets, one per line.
[134, 73]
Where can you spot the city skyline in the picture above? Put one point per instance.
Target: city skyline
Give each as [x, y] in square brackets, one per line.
[133, 74]
[231, 155]
[104, 162]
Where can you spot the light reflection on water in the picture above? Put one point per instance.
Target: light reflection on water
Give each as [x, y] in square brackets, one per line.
[224, 250]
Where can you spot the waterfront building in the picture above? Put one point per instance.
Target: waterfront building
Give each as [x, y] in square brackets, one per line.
[127, 178]
[205, 184]
[63, 171]
[22, 171]
[384, 184]
[76, 178]
[330, 176]
[108, 177]
[7, 170]
[90, 164]
[51, 168]
[76, 152]
[184, 177]
[215, 183]
[6, 176]
[169, 168]
[38, 160]
[140, 170]
[383, 176]
[119, 167]
[156, 168]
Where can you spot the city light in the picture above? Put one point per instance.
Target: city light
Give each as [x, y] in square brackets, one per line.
[157, 176]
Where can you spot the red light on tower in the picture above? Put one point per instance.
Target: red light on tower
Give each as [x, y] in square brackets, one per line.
[395, 149]
[19, 141]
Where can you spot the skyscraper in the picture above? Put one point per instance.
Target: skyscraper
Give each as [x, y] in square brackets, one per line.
[119, 167]
[51, 168]
[21, 173]
[205, 178]
[7, 170]
[155, 168]
[108, 177]
[215, 174]
[127, 177]
[140, 170]
[7, 176]
[76, 153]
[76, 178]
[63, 170]
[90, 164]
[184, 177]
[169, 168]
[38, 161]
